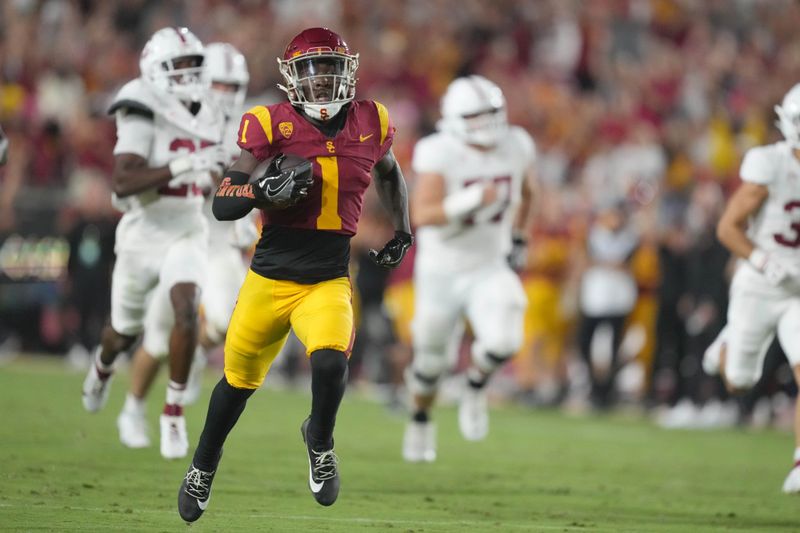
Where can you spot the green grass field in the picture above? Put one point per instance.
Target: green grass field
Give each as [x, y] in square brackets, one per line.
[64, 470]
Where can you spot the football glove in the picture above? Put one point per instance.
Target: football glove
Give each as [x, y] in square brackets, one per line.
[280, 189]
[392, 254]
[211, 159]
[518, 256]
[774, 271]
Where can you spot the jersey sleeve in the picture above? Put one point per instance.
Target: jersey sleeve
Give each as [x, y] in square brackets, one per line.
[255, 132]
[758, 166]
[429, 157]
[135, 134]
[386, 130]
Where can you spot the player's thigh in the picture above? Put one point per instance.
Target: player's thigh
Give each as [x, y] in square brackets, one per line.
[256, 333]
[789, 332]
[186, 261]
[437, 311]
[323, 316]
[134, 277]
[752, 323]
[496, 311]
[159, 320]
[226, 272]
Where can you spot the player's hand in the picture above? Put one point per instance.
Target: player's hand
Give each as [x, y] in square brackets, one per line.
[280, 189]
[489, 194]
[774, 270]
[392, 254]
[209, 159]
[518, 256]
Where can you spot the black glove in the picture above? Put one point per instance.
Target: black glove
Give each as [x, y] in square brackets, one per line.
[394, 251]
[518, 256]
[280, 188]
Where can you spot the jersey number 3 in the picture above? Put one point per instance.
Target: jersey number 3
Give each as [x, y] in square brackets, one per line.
[791, 241]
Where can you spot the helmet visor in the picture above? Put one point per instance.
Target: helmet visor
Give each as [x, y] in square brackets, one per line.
[323, 79]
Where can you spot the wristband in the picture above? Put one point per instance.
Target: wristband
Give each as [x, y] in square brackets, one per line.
[462, 203]
[180, 166]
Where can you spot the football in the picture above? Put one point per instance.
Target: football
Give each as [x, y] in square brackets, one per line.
[278, 168]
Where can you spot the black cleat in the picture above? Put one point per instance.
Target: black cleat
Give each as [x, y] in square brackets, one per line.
[194, 494]
[323, 472]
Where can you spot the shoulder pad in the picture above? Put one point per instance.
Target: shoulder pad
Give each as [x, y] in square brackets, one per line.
[136, 97]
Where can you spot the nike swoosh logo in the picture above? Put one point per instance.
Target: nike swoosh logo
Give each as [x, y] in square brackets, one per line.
[363, 138]
[202, 505]
[315, 487]
[272, 191]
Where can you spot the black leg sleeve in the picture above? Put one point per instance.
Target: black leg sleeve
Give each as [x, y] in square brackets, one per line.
[328, 379]
[224, 408]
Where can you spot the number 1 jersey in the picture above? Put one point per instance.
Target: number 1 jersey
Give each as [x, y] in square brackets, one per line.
[310, 242]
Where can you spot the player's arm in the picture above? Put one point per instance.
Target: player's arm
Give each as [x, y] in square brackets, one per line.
[235, 196]
[732, 226]
[518, 257]
[393, 195]
[132, 173]
[432, 206]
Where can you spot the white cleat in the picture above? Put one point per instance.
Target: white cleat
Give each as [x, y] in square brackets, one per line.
[792, 483]
[473, 414]
[419, 442]
[95, 389]
[194, 385]
[174, 440]
[133, 430]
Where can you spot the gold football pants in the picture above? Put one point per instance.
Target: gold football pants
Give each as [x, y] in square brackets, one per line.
[321, 315]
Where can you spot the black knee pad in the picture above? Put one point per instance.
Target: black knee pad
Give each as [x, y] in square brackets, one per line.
[329, 364]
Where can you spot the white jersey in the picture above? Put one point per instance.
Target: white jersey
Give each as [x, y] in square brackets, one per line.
[776, 226]
[485, 237]
[160, 129]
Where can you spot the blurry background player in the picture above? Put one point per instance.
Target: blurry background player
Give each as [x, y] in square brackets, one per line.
[761, 225]
[228, 241]
[167, 144]
[473, 192]
[299, 274]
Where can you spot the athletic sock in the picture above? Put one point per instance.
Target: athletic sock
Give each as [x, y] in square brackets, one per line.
[133, 404]
[328, 381]
[224, 408]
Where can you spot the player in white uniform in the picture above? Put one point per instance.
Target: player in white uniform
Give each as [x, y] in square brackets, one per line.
[470, 204]
[168, 142]
[761, 225]
[227, 69]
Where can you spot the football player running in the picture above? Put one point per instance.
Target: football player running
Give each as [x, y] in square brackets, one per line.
[227, 70]
[325, 148]
[471, 205]
[761, 225]
[168, 143]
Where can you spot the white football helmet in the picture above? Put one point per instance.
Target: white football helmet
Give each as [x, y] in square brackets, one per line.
[172, 62]
[789, 116]
[474, 109]
[226, 65]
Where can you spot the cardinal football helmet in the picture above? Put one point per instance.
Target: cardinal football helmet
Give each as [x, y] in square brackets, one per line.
[227, 66]
[789, 116]
[320, 72]
[172, 62]
[474, 109]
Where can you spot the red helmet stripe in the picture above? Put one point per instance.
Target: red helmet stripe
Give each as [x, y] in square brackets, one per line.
[183, 39]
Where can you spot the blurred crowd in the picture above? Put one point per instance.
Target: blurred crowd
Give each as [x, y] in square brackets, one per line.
[641, 111]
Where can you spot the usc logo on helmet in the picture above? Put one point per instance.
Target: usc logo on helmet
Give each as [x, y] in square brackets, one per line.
[286, 129]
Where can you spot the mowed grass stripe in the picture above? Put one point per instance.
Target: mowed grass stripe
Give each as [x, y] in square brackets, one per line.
[64, 470]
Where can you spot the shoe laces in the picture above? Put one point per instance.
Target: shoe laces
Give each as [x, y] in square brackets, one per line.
[198, 483]
[324, 464]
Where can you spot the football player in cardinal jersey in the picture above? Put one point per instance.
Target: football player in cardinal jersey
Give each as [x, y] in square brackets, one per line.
[168, 144]
[761, 225]
[471, 205]
[227, 70]
[299, 274]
